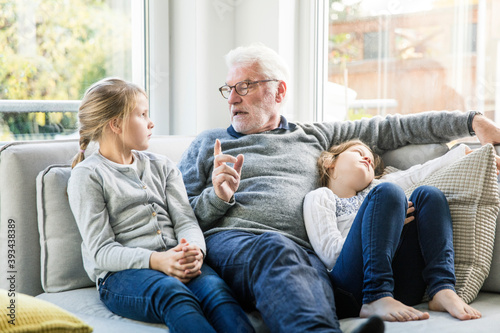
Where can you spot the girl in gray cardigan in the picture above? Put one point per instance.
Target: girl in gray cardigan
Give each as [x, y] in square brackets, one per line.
[142, 244]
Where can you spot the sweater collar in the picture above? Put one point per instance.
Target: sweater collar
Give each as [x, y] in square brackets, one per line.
[284, 124]
[137, 164]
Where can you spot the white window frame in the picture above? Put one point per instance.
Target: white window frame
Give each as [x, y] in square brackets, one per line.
[157, 60]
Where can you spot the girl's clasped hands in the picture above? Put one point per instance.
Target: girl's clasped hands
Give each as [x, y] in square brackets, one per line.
[183, 261]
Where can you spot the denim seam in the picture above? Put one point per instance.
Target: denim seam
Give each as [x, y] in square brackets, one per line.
[121, 296]
[370, 270]
[371, 298]
[437, 289]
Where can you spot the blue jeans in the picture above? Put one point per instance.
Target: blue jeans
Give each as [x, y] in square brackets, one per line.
[204, 304]
[287, 283]
[383, 257]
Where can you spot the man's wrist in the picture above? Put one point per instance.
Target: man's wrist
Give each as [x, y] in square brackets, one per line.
[470, 119]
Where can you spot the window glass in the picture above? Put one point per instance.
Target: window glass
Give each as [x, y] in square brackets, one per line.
[52, 50]
[407, 56]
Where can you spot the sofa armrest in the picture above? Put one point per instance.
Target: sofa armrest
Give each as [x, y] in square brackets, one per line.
[20, 163]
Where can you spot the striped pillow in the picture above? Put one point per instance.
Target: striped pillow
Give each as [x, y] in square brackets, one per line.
[471, 187]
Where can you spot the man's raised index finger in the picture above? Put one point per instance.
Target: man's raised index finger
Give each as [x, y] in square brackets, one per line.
[217, 148]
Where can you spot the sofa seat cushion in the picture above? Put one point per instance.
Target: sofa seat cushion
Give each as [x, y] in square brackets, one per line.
[23, 313]
[85, 303]
[442, 322]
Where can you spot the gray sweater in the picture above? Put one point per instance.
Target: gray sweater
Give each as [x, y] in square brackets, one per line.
[125, 212]
[280, 167]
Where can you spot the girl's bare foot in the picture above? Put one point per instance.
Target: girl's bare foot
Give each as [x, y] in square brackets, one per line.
[390, 309]
[447, 300]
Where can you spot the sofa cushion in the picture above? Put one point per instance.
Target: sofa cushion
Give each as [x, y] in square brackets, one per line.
[470, 185]
[410, 155]
[60, 241]
[29, 314]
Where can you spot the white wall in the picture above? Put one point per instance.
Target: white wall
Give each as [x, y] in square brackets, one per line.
[215, 38]
[157, 67]
[273, 23]
[199, 37]
[201, 32]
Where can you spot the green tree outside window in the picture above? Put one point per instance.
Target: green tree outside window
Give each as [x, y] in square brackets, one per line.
[53, 50]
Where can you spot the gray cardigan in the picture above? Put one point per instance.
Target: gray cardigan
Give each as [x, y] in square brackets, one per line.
[280, 167]
[124, 214]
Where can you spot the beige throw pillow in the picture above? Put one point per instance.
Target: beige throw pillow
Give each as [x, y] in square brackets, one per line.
[471, 187]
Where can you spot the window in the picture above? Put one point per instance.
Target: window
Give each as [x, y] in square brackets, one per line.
[406, 56]
[372, 42]
[52, 50]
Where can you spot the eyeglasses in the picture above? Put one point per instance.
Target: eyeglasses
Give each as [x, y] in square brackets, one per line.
[240, 87]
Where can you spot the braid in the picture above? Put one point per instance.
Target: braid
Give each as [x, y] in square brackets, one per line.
[84, 143]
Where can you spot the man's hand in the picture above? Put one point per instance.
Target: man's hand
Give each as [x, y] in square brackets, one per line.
[226, 179]
[486, 130]
[497, 158]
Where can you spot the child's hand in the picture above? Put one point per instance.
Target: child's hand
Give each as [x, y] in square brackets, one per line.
[181, 262]
[409, 213]
[192, 260]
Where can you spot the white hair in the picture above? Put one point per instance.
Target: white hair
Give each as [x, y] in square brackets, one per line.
[268, 62]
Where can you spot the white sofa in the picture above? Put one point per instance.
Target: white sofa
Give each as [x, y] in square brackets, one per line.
[47, 245]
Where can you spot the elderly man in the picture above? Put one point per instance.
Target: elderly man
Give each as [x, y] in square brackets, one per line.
[246, 185]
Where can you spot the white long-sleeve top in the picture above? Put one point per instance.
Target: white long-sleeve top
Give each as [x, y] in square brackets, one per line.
[329, 218]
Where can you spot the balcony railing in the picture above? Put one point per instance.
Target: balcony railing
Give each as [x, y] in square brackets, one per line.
[39, 106]
[29, 127]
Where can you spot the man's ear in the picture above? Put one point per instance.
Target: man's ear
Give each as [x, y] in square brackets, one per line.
[280, 94]
[115, 125]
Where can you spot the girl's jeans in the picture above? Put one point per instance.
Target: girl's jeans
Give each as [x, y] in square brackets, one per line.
[383, 257]
[205, 304]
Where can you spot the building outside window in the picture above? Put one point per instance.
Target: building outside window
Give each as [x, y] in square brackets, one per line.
[405, 56]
